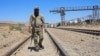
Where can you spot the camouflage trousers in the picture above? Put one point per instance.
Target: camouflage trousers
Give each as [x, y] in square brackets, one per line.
[37, 35]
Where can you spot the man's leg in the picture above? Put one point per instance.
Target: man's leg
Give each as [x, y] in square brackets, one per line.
[41, 39]
[36, 42]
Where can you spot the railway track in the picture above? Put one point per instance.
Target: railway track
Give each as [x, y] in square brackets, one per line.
[15, 47]
[51, 44]
[78, 44]
[87, 31]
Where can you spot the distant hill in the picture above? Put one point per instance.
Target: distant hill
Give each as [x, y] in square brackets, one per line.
[12, 22]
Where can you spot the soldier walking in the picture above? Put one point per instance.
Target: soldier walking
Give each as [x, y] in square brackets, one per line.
[36, 28]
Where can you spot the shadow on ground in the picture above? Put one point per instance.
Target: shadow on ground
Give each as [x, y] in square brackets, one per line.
[31, 48]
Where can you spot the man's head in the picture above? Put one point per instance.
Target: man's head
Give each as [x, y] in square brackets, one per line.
[36, 11]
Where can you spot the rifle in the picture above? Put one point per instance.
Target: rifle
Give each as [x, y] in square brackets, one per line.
[30, 31]
[31, 39]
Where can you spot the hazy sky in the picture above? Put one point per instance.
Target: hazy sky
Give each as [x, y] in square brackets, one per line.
[20, 10]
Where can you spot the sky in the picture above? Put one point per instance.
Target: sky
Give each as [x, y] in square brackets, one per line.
[20, 10]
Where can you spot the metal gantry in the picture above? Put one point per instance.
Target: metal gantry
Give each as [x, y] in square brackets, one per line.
[62, 10]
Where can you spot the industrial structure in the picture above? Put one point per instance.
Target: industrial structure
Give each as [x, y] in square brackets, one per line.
[62, 11]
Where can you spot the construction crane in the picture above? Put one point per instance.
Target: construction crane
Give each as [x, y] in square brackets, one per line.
[62, 11]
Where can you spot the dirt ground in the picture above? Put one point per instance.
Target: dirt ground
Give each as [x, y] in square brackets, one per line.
[9, 37]
[28, 49]
[78, 44]
[82, 27]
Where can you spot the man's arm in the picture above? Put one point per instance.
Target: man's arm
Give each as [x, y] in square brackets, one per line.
[43, 21]
[30, 26]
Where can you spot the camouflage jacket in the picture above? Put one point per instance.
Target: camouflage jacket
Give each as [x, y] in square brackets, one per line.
[36, 21]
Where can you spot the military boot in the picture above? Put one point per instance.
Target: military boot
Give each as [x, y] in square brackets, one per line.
[36, 48]
[40, 45]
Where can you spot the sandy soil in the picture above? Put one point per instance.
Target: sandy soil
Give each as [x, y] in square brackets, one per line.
[50, 49]
[82, 27]
[78, 44]
[9, 38]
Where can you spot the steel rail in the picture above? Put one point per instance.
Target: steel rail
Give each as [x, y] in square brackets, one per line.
[57, 43]
[87, 31]
[14, 48]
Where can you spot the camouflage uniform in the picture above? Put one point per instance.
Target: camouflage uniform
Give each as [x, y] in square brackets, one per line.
[37, 24]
